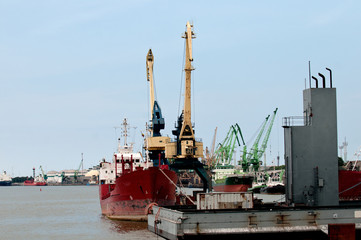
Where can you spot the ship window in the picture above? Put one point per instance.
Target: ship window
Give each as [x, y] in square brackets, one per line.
[102, 181]
[106, 171]
[111, 171]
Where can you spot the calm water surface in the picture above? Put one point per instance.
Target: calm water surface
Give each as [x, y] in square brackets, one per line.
[60, 212]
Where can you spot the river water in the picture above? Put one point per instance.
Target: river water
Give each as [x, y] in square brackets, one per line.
[60, 212]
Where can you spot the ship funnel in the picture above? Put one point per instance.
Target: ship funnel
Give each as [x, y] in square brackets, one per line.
[316, 81]
[323, 80]
[330, 76]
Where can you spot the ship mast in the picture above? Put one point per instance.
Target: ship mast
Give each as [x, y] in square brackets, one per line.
[125, 131]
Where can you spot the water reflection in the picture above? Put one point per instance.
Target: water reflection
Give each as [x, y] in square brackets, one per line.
[125, 226]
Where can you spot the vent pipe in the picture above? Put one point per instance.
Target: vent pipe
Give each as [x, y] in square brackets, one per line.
[323, 80]
[316, 81]
[330, 77]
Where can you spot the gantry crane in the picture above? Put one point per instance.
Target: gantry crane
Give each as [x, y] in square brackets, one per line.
[187, 149]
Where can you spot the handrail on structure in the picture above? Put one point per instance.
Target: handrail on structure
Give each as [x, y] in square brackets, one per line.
[296, 121]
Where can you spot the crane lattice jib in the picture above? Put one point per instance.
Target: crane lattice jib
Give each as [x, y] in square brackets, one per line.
[251, 157]
[232, 145]
[265, 140]
[220, 149]
[221, 153]
[238, 129]
[76, 172]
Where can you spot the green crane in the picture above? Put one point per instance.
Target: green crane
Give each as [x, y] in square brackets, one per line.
[76, 172]
[265, 140]
[44, 175]
[254, 156]
[225, 150]
[250, 157]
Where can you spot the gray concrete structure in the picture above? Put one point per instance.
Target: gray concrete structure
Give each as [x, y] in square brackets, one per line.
[311, 151]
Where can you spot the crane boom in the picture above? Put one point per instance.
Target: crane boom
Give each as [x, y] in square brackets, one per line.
[149, 66]
[214, 141]
[157, 120]
[225, 151]
[44, 175]
[187, 129]
[265, 140]
[249, 158]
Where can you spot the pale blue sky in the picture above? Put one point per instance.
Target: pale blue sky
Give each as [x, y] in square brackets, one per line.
[72, 70]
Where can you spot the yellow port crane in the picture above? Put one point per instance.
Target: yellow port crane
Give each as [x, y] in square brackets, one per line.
[186, 150]
[155, 143]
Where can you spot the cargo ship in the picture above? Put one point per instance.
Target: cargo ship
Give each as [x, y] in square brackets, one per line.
[130, 185]
[234, 183]
[5, 180]
[35, 181]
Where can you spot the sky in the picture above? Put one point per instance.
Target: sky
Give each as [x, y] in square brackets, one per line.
[71, 71]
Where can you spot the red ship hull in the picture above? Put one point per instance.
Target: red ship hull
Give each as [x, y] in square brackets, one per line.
[232, 188]
[349, 183]
[134, 193]
[32, 183]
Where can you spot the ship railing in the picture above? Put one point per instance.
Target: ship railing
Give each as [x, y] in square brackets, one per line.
[296, 121]
[197, 139]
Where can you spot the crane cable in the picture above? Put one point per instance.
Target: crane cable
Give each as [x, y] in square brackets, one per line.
[176, 186]
[181, 84]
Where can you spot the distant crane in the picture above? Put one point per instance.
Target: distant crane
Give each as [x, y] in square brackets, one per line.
[225, 150]
[76, 172]
[44, 175]
[253, 157]
[261, 151]
[210, 155]
[249, 159]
